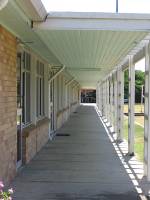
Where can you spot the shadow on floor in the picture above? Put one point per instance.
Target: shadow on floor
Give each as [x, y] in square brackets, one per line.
[83, 165]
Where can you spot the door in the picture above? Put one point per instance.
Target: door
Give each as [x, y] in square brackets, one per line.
[19, 113]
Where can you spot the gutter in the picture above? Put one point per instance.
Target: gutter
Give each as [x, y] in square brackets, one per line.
[34, 9]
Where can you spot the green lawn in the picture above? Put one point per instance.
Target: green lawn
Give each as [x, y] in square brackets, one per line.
[138, 108]
[139, 139]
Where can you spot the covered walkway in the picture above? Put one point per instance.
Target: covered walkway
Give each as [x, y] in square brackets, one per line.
[82, 165]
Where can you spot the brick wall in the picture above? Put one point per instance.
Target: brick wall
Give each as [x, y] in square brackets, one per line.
[8, 105]
[34, 138]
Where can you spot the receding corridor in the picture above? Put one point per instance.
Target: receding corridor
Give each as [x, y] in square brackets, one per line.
[83, 165]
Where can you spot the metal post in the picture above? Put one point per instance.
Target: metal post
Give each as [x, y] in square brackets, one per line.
[131, 128]
[102, 99]
[120, 102]
[108, 112]
[116, 6]
[147, 114]
[106, 105]
[115, 102]
[111, 100]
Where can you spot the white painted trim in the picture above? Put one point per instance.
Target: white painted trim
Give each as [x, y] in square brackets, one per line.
[33, 88]
[120, 103]
[70, 81]
[34, 9]
[61, 70]
[98, 21]
[98, 15]
[46, 91]
[147, 114]
[115, 123]
[131, 128]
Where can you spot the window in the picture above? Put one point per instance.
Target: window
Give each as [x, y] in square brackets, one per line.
[26, 86]
[40, 90]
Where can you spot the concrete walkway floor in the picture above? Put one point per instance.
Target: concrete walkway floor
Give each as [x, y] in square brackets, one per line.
[83, 165]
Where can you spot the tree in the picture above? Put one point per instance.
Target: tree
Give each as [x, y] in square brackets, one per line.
[139, 81]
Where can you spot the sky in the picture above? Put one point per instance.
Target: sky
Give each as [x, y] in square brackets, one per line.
[125, 6]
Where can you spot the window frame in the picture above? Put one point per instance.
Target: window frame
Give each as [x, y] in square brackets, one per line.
[40, 90]
[25, 71]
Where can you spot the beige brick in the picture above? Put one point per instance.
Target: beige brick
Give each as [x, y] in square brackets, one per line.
[7, 105]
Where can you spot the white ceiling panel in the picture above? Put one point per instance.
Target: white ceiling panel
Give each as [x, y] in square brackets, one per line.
[13, 19]
[88, 54]
[90, 49]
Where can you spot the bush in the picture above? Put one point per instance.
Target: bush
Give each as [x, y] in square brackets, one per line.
[5, 195]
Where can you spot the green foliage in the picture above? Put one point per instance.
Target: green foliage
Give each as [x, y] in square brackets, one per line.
[126, 84]
[139, 81]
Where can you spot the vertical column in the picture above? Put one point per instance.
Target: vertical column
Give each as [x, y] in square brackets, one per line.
[120, 102]
[105, 99]
[107, 102]
[131, 106]
[147, 114]
[111, 100]
[100, 97]
[97, 95]
[115, 102]
[109, 111]
[103, 108]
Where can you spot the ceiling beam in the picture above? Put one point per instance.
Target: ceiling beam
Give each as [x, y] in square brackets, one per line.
[55, 75]
[83, 69]
[95, 21]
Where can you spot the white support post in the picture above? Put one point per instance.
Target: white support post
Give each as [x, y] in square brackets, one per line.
[120, 102]
[147, 114]
[115, 123]
[107, 100]
[103, 100]
[109, 111]
[111, 101]
[102, 109]
[100, 98]
[104, 103]
[131, 128]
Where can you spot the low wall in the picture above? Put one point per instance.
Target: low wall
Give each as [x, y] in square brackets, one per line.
[63, 115]
[34, 138]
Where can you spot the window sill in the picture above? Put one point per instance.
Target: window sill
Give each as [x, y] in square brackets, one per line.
[26, 131]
